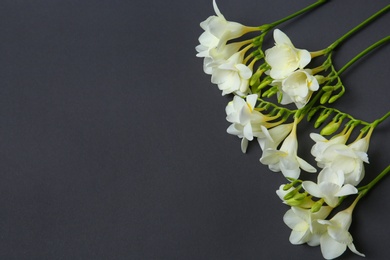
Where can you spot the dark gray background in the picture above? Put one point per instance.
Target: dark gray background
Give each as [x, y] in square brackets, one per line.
[113, 141]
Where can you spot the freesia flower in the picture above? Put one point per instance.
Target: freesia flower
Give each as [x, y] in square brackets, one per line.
[217, 31]
[337, 238]
[284, 58]
[273, 137]
[246, 121]
[219, 55]
[232, 75]
[322, 143]
[297, 87]
[346, 158]
[305, 226]
[286, 159]
[330, 186]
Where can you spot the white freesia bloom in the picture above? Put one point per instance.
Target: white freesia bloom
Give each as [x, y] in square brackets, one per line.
[346, 158]
[274, 136]
[297, 87]
[286, 159]
[217, 31]
[322, 143]
[305, 226]
[337, 237]
[284, 58]
[232, 75]
[329, 187]
[246, 121]
[219, 55]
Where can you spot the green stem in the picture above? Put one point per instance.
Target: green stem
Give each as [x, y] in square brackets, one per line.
[368, 187]
[357, 28]
[380, 120]
[268, 27]
[360, 55]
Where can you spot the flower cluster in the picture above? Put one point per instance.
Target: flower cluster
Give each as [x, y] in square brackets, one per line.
[252, 75]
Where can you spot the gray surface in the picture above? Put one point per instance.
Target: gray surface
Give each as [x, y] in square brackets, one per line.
[113, 143]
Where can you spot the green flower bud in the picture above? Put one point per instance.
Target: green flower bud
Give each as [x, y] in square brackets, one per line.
[321, 119]
[325, 97]
[254, 81]
[331, 128]
[287, 186]
[290, 195]
[316, 206]
[327, 88]
[312, 113]
[334, 98]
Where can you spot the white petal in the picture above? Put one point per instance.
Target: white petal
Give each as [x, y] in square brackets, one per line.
[251, 100]
[291, 219]
[312, 188]
[244, 71]
[347, 189]
[353, 249]
[248, 133]
[330, 248]
[297, 237]
[233, 130]
[216, 10]
[281, 38]
[305, 165]
[244, 144]
[317, 137]
[304, 58]
[271, 157]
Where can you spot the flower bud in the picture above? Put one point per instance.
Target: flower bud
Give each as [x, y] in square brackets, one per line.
[290, 195]
[325, 97]
[321, 119]
[316, 206]
[312, 113]
[327, 88]
[255, 78]
[331, 128]
[334, 98]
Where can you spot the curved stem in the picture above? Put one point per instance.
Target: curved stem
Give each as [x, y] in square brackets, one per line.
[304, 10]
[360, 55]
[369, 186]
[357, 28]
[380, 120]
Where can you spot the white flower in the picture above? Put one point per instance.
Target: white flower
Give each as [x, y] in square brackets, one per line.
[285, 159]
[297, 87]
[337, 237]
[330, 186]
[217, 31]
[232, 76]
[322, 143]
[219, 55]
[284, 58]
[246, 121]
[305, 226]
[273, 137]
[346, 158]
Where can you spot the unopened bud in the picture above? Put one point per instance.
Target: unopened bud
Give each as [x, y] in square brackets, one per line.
[290, 195]
[325, 97]
[331, 128]
[327, 88]
[321, 119]
[255, 78]
[316, 206]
